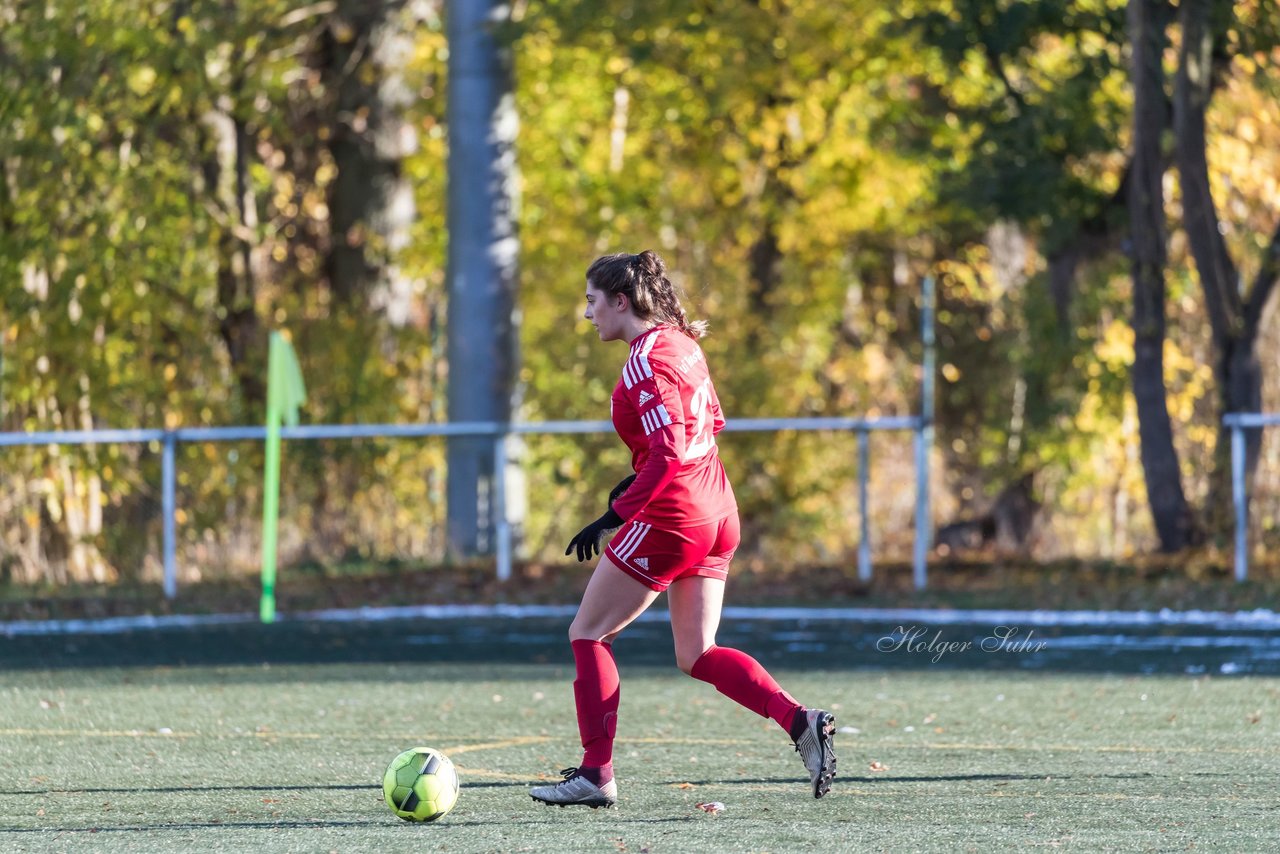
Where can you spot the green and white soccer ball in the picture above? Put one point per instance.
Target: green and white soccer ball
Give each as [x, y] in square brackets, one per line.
[420, 785]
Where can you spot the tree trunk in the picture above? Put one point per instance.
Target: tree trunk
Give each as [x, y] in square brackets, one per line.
[1237, 371]
[370, 203]
[1096, 236]
[1168, 503]
[483, 325]
[226, 176]
[764, 270]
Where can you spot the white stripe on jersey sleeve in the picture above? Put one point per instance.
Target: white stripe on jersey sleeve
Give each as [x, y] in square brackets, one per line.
[655, 418]
[637, 367]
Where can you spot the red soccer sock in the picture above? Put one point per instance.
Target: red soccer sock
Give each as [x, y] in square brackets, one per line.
[596, 692]
[598, 776]
[745, 681]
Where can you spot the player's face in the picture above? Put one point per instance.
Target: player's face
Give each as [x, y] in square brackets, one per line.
[607, 313]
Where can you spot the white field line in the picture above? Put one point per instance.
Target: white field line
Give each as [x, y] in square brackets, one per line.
[1258, 620]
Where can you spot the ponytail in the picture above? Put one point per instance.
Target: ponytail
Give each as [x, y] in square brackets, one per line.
[643, 278]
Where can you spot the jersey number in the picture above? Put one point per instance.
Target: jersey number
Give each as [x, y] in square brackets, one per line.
[703, 439]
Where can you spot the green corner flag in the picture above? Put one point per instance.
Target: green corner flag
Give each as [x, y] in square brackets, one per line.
[285, 393]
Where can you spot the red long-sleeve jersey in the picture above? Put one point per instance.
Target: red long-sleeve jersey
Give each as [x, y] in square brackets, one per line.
[666, 411]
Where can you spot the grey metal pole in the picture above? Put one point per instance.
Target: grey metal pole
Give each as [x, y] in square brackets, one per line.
[924, 438]
[501, 525]
[864, 544]
[168, 479]
[1237, 494]
[483, 257]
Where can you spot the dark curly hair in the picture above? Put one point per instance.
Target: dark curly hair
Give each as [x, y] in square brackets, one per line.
[643, 278]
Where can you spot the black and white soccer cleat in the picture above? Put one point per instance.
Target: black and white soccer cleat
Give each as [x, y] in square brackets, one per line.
[576, 791]
[817, 748]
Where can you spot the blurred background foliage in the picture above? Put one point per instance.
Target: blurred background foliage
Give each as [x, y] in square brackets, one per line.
[180, 177]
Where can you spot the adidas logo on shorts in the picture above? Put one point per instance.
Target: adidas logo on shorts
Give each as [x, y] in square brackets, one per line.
[642, 562]
[645, 397]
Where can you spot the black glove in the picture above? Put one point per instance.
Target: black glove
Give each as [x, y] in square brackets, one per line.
[588, 539]
[622, 487]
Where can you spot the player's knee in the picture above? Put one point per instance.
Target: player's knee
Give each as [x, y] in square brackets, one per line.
[581, 628]
[584, 631]
[686, 660]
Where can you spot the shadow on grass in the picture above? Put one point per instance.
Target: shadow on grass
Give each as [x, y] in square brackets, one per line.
[221, 825]
[937, 778]
[978, 778]
[179, 790]
[784, 781]
[306, 825]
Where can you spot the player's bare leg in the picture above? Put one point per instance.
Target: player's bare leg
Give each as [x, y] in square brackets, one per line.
[696, 603]
[612, 600]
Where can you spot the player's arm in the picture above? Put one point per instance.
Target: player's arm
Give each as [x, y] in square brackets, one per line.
[662, 414]
[587, 541]
[623, 486]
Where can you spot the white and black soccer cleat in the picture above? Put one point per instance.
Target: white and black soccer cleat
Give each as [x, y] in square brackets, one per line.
[817, 748]
[576, 791]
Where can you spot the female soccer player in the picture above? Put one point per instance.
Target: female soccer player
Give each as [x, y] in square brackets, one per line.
[679, 530]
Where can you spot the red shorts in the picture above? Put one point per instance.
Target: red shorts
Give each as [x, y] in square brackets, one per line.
[656, 558]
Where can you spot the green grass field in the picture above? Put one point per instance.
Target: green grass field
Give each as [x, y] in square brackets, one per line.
[289, 758]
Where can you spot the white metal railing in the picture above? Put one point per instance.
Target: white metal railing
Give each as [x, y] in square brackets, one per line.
[1239, 422]
[169, 440]
[921, 426]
